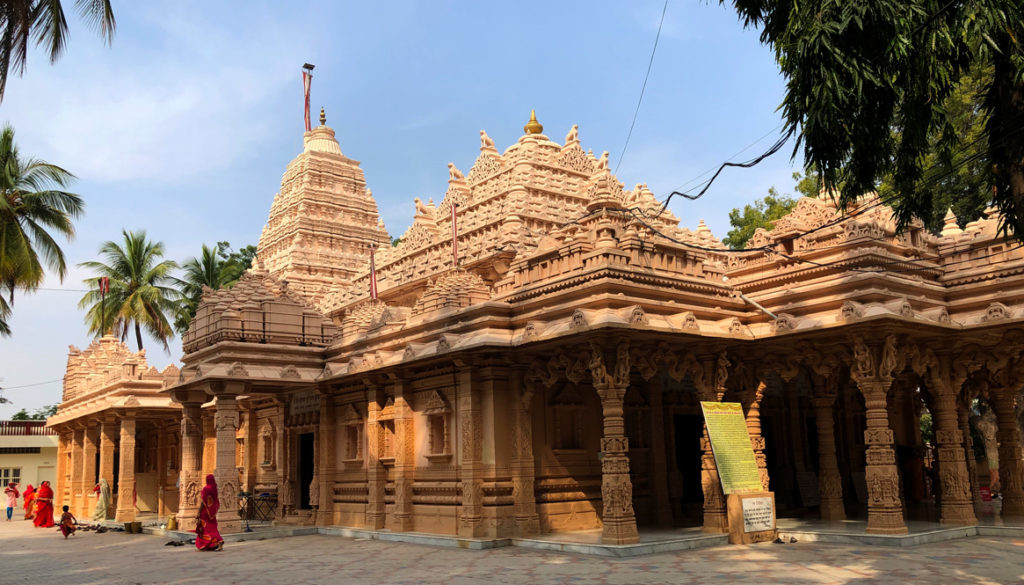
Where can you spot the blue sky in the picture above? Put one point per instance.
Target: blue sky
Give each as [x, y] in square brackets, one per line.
[184, 126]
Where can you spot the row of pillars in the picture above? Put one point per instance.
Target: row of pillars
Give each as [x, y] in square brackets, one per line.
[885, 506]
[83, 446]
[191, 480]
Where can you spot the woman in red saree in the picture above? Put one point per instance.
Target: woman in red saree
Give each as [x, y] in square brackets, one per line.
[44, 506]
[30, 496]
[207, 535]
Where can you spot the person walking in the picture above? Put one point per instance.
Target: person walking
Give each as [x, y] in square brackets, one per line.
[207, 535]
[30, 496]
[11, 491]
[44, 506]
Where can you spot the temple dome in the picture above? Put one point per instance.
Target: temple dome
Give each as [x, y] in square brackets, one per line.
[321, 139]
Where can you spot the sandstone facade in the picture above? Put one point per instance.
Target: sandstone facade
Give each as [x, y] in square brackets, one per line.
[550, 380]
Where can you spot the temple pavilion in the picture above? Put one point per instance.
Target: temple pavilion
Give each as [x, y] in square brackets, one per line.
[545, 377]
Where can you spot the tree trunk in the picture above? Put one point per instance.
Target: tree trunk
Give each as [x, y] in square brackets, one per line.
[138, 335]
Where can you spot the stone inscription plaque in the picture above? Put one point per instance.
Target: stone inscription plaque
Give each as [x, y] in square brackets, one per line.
[757, 514]
[730, 444]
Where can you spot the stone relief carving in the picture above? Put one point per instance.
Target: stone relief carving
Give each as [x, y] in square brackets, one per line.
[996, 312]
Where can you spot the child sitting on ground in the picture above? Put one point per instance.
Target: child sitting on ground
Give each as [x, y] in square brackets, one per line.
[67, 523]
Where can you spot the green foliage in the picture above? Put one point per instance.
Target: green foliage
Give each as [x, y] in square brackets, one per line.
[395, 242]
[140, 294]
[215, 268]
[927, 430]
[43, 20]
[31, 203]
[872, 93]
[763, 212]
[38, 414]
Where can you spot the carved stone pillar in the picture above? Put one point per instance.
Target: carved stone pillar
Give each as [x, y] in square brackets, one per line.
[616, 488]
[752, 403]
[523, 495]
[209, 451]
[225, 471]
[885, 508]
[659, 473]
[161, 468]
[1011, 463]
[126, 471]
[327, 463]
[945, 377]
[469, 410]
[830, 482]
[872, 370]
[405, 462]
[90, 449]
[710, 389]
[61, 487]
[375, 473]
[968, 443]
[77, 443]
[190, 481]
[108, 450]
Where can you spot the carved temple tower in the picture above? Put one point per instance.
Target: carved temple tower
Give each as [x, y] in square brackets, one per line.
[323, 223]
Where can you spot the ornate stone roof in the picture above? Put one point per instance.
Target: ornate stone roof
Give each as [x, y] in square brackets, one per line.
[323, 222]
[258, 309]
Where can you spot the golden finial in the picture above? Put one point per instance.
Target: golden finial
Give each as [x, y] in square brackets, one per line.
[533, 126]
[323, 117]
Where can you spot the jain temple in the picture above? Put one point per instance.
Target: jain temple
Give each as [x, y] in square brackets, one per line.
[544, 378]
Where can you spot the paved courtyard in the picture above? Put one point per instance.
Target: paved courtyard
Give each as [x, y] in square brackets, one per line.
[41, 556]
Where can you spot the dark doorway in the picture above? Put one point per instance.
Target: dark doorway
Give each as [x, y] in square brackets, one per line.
[305, 468]
[689, 428]
[96, 469]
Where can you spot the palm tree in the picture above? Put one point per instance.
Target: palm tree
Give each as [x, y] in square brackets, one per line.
[208, 270]
[31, 202]
[139, 293]
[44, 19]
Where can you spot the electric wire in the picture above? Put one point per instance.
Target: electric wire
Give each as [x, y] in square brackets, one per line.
[643, 88]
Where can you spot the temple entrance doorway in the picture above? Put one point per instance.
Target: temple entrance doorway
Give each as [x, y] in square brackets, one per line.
[305, 471]
[688, 431]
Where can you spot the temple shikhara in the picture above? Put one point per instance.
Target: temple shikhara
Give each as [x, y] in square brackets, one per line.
[545, 377]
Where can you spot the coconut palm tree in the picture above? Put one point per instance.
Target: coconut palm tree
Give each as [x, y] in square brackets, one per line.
[209, 269]
[32, 201]
[44, 20]
[140, 293]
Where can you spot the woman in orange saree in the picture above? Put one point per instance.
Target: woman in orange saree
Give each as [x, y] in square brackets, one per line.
[44, 506]
[30, 496]
[207, 535]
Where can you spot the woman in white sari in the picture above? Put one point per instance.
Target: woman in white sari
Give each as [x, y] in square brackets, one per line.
[102, 501]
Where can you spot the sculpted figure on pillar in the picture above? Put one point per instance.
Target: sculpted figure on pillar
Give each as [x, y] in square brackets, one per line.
[1006, 374]
[872, 367]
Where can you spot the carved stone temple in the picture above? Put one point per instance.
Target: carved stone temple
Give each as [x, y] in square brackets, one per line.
[550, 381]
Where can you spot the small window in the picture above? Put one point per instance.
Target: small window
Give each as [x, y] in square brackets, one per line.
[438, 434]
[387, 439]
[352, 443]
[9, 475]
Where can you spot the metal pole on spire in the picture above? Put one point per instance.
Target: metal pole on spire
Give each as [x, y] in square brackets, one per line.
[307, 79]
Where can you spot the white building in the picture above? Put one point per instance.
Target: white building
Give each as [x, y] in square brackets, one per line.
[28, 452]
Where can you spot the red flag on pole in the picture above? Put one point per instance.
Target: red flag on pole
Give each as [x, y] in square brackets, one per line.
[307, 78]
[373, 274]
[455, 237]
